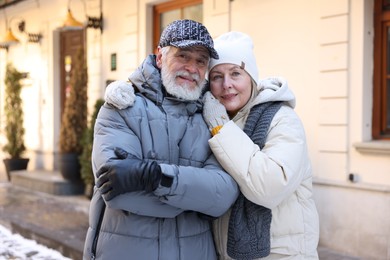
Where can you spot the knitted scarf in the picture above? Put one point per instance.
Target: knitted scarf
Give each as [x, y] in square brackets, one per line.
[249, 223]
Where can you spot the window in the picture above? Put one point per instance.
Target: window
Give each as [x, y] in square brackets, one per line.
[381, 109]
[167, 12]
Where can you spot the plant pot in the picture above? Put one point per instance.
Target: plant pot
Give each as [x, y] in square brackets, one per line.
[15, 164]
[70, 166]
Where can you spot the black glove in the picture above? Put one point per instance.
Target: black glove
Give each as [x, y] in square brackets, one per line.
[164, 180]
[127, 174]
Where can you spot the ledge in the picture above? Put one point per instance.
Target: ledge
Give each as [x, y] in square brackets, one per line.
[373, 147]
[349, 185]
[46, 181]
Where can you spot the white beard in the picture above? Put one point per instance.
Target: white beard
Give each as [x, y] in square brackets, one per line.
[184, 91]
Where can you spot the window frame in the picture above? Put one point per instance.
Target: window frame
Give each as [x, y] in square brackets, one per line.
[380, 130]
[165, 7]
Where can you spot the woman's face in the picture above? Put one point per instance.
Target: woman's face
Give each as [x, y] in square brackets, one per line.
[231, 85]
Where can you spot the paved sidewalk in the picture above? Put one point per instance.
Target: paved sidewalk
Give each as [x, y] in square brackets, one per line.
[60, 222]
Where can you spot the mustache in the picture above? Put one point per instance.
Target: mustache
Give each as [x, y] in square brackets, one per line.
[193, 76]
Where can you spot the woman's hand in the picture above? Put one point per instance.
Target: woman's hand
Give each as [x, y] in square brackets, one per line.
[120, 94]
[214, 113]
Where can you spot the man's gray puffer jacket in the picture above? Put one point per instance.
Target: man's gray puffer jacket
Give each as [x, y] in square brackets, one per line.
[168, 223]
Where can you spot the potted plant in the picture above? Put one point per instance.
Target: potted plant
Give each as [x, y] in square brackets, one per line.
[14, 129]
[74, 120]
[85, 157]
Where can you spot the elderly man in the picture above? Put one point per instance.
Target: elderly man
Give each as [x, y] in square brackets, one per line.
[157, 182]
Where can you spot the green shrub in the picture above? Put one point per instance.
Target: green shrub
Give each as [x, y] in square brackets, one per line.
[13, 108]
[87, 142]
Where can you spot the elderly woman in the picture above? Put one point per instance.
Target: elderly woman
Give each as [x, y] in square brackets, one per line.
[261, 143]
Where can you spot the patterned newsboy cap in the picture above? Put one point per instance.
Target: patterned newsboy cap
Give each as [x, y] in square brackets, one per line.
[187, 33]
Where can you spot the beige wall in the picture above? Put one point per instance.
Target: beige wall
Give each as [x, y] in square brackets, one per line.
[354, 218]
[324, 48]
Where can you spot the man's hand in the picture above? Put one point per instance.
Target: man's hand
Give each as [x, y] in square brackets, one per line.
[127, 174]
[214, 113]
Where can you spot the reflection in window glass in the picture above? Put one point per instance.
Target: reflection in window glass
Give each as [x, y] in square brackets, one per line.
[388, 104]
[387, 88]
[194, 12]
[386, 4]
[388, 51]
[68, 68]
[167, 17]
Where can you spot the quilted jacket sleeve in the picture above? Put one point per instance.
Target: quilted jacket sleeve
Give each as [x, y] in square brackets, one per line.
[209, 190]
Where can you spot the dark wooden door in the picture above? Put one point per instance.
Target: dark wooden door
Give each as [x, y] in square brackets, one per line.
[70, 42]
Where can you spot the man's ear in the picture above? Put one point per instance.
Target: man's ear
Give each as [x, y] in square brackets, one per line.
[159, 57]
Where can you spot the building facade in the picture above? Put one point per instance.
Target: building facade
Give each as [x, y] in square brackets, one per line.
[324, 48]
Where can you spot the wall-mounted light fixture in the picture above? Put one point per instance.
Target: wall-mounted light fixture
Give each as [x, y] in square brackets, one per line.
[71, 22]
[10, 39]
[92, 22]
[31, 37]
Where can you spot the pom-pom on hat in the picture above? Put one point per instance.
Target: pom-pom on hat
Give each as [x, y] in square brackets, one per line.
[236, 48]
[187, 33]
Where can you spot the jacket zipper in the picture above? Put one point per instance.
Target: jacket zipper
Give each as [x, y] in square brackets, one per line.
[95, 239]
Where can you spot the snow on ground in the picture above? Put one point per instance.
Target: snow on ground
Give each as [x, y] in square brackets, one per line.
[14, 246]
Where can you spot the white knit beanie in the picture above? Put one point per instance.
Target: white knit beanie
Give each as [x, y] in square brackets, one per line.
[236, 48]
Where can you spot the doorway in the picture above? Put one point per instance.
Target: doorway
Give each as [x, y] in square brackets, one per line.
[70, 43]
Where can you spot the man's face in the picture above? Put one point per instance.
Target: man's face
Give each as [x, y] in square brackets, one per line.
[183, 70]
